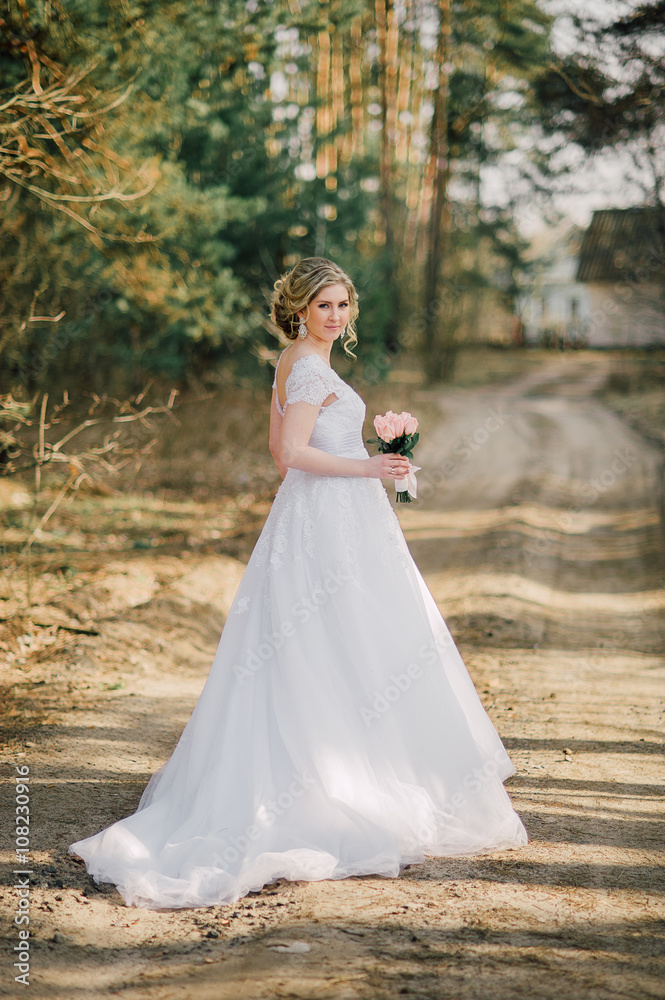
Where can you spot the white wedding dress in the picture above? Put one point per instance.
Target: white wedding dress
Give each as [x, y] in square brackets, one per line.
[338, 732]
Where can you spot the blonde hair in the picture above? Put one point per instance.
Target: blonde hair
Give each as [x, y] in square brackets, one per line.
[295, 290]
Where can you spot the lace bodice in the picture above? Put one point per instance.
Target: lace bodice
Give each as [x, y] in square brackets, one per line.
[331, 511]
[338, 427]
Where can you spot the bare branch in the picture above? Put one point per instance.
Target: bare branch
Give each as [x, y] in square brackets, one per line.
[45, 127]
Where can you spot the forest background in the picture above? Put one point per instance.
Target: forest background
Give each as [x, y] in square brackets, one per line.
[162, 164]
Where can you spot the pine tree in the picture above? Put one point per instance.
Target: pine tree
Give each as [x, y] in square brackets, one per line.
[194, 109]
[488, 56]
[608, 94]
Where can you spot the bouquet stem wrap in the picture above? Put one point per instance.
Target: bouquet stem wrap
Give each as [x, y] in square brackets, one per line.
[408, 484]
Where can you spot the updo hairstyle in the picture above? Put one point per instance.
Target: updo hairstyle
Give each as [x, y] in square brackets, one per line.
[295, 290]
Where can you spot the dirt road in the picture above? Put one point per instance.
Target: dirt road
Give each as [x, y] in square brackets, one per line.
[537, 530]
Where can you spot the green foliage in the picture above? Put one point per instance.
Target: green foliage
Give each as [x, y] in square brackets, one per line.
[607, 94]
[179, 105]
[176, 299]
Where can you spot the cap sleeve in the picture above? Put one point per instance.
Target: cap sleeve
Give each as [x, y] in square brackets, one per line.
[307, 383]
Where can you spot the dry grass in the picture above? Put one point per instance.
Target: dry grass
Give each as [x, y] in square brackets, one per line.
[636, 391]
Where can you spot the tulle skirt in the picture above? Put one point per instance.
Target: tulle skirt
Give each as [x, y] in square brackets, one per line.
[338, 732]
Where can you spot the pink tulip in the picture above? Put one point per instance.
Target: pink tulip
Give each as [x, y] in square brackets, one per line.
[392, 425]
[383, 428]
[410, 423]
[396, 422]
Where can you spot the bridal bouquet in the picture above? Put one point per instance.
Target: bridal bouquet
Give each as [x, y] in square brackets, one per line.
[397, 435]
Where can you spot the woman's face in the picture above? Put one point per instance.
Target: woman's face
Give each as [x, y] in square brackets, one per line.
[328, 313]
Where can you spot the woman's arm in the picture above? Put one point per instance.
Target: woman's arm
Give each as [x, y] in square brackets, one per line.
[294, 452]
[276, 420]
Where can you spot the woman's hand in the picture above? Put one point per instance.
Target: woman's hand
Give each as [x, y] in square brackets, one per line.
[387, 466]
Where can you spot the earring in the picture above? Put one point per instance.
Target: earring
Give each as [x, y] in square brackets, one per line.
[302, 329]
[341, 336]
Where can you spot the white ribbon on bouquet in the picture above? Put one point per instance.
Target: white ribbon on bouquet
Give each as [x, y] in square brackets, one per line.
[409, 482]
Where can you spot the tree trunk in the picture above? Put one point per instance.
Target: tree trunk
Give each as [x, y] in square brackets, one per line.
[385, 31]
[438, 299]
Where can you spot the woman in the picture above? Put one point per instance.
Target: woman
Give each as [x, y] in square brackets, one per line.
[338, 732]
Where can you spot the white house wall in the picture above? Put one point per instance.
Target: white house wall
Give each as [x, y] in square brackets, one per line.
[555, 307]
[622, 315]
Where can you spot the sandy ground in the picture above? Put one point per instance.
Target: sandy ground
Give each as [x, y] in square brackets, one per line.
[537, 529]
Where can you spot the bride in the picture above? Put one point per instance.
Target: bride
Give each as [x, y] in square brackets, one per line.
[338, 732]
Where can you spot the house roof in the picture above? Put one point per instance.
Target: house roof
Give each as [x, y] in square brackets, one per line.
[622, 241]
